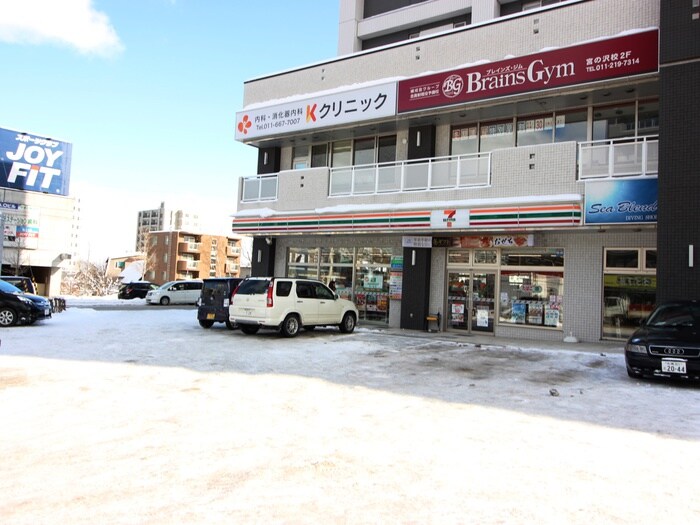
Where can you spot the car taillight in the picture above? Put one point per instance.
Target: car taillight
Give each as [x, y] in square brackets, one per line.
[234, 292]
[269, 294]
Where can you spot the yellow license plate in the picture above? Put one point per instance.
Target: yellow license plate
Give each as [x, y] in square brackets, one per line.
[210, 316]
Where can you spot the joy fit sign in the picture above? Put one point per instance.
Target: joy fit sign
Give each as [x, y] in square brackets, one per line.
[33, 163]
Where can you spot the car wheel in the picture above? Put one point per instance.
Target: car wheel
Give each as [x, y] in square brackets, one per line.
[249, 329]
[165, 301]
[8, 317]
[230, 325]
[290, 326]
[206, 324]
[347, 325]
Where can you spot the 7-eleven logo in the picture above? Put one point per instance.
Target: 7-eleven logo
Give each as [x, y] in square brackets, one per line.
[449, 217]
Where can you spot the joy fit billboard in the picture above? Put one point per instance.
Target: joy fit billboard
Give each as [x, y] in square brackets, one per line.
[622, 56]
[33, 163]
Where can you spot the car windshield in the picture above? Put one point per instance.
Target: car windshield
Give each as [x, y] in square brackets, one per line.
[9, 288]
[167, 285]
[675, 315]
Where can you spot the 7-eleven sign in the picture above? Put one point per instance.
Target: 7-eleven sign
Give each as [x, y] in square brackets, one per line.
[449, 219]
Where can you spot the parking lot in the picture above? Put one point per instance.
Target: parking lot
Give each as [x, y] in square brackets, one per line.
[141, 416]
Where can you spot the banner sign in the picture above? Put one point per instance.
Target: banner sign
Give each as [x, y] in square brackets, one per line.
[621, 201]
[344, 107]
[33, 163]
[622, 56]
[493, 241]
[20, 225]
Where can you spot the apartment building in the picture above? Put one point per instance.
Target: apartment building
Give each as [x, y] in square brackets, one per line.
[487, 160]
[163, 219]
[173, 255]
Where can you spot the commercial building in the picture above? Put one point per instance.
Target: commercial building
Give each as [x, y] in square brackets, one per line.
[491, 161]
[173, 255]
[39, 220]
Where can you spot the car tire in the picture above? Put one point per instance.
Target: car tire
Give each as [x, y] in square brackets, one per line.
[290, 326]
[206, 324]
[347, 325]
[8, 317]
[249, 329]
[230, 325]
[165, 301]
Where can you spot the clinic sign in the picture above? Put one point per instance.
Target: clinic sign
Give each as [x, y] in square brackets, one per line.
[623, 56]
[33, 163]
[622, 201]
[343, 107]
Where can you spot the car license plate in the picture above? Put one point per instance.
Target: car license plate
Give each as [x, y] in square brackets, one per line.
[47, 311]
[210, 316]
[672, 366]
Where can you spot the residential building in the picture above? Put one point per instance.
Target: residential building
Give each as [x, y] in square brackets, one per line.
[163, 219]
[173, 255]
[126, 268]
[487, 160]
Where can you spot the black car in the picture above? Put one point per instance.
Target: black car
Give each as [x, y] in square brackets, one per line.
[135, 289]
[17, 307]
[667, 344]
[214, 300]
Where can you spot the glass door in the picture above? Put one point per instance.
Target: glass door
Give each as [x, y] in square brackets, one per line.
[471, 301]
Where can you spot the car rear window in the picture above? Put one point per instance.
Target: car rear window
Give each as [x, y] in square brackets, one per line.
[253, 287]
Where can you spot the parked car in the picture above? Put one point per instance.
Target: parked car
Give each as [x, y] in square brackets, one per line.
[214, 301]
[176, 292]
[23, 283]
[135, 289]
[288, 304]
[17, 307]
[667, 344]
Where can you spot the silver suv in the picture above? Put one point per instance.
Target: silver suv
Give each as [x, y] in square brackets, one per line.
[288, 304]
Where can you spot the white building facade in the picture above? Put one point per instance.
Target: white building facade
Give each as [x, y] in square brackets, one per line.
[485, 160]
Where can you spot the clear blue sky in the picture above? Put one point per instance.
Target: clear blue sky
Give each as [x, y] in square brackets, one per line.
[147, 91]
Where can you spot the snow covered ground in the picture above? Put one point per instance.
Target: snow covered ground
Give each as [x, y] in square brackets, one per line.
[139, 415]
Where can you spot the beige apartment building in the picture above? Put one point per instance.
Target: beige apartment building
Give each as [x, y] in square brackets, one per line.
[173, 255]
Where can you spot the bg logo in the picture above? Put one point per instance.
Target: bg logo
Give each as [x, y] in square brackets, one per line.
[452, 86]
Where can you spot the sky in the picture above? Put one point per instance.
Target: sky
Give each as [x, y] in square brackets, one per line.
[146, 91]
[378, 426]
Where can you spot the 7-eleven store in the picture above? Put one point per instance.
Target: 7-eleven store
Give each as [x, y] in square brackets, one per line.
[520, 212]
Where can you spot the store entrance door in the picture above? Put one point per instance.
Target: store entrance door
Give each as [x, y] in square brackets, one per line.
[471, 301]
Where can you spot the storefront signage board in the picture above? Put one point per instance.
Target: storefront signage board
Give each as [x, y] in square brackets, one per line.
[621, 201]
[492, 241]
[20, 225]
[309, 114]
[416, 242]
[622, 56]
[33, 163]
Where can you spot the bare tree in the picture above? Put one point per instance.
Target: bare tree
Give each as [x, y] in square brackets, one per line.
[89, 279]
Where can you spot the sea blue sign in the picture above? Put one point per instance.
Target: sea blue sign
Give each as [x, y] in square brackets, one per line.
[33, 163]
[621, 201]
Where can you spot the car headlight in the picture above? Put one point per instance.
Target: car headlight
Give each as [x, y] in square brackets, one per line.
[636, 349]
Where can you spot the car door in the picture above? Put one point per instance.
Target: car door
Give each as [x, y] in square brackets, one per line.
[328, 308]
[306, 303]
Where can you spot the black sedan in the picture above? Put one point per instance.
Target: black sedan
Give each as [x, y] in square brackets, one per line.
[668, 343]
[17, 307]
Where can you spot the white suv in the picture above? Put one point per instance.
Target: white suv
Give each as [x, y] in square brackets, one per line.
[288, 304]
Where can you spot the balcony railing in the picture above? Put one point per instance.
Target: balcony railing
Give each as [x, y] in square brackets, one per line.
[261, 188]
[415, 175]
[636, 156]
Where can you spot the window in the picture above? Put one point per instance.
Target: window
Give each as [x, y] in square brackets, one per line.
[319, 155]
[465, 140]
[622, 259]
[532, 298]
[571, 126]
[341, 153]
[497, 135]
[300, 157]
[614, 122]
[363, 152]
[535, 130]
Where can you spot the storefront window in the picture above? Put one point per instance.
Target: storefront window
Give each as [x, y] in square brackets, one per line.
[571, 127]
[614, 122]
[465, 140]
[622, 259]
[485, 256]
[533, 257]
[458, 256]
[337, 267]
[497, 135]
[627, 300]
[302, 262]
[535, 130]
[372, 271]
[532, 298]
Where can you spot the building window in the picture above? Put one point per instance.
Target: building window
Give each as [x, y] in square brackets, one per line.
[319, 155]
[572, 126]
[497, 135]
[300, 157]
[535, 130]
[372, 269]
